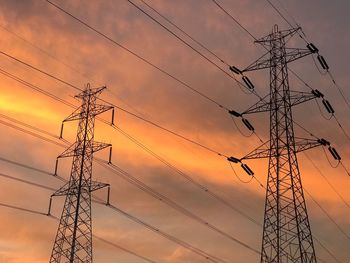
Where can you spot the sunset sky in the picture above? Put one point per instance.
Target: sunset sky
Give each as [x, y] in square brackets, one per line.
[39, 34]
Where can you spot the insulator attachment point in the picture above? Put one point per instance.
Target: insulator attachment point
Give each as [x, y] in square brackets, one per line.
[334, 153]
[328, 106]
[248, 124]
[233, 159]
[247, 169]
[323, 62]
[312, 48]
[323, 142]
[235, 70]
[248, 82]
[317, 93]
[235, 113]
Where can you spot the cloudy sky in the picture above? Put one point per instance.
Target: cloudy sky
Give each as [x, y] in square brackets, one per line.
[39, 34]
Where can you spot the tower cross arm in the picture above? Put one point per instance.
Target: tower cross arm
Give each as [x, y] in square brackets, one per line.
[263, 151]
[101, 108]
[301, 144]
[76, 149]
[296, 97]
[264, 62]
[67, 188]
[79, 114]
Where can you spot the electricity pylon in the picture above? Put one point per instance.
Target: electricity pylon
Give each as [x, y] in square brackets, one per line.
[287, 235]
[73, 242]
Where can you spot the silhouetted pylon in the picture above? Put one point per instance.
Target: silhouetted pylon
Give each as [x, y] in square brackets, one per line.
[287, 234]
[73, 242]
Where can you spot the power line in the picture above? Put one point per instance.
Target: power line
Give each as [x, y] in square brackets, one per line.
[27, 182]
[60, 61]
[137, 55]
[123, 249]
[28, 126]
[25, 166]
[43, 72]
[165, 235]
[293, 72]
[127, 176]
[327, 181]
[42, 51]
[118, 107]
[303, 37]
[181, 173]
[29, 167]
[183, 41]
[39, 70]
[186, 176]
[205, 189]
[283, 17]
[184, 32]
[126, 111]
[234, 19]
[328, 215]
[36, 88]
[184, 244]
[30, 133]
[22, 209]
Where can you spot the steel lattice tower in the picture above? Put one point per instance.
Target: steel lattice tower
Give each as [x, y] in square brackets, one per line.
[73, 242]
[287, 235]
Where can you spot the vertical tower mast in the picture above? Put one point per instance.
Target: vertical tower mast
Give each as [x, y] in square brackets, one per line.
[287, 235]
[73, 241]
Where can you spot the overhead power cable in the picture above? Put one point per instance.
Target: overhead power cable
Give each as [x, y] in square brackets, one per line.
[23, 209]
[281, 15]
[303, 37]
[327, 181]
[181, 173]
[184, 244]
[186, 176]
[234, 19]
[42, 51]
[328, 215]
[27, 182]
[124, 110]
[64, 179]
[184, 32]
[36, 88]
[293, 72]
[123, 249]
[183, 41]
[32, 211]
[30, 133]
[123, 174]
[175, 240]
[154, 229]
[117, 107]
[137, 55]
[50, 55]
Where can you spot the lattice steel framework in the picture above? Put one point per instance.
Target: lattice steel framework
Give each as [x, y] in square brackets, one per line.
[287, 235]
[73, 242]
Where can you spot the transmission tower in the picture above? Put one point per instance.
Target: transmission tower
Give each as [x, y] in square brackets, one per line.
[73, 241]
[287, 235]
